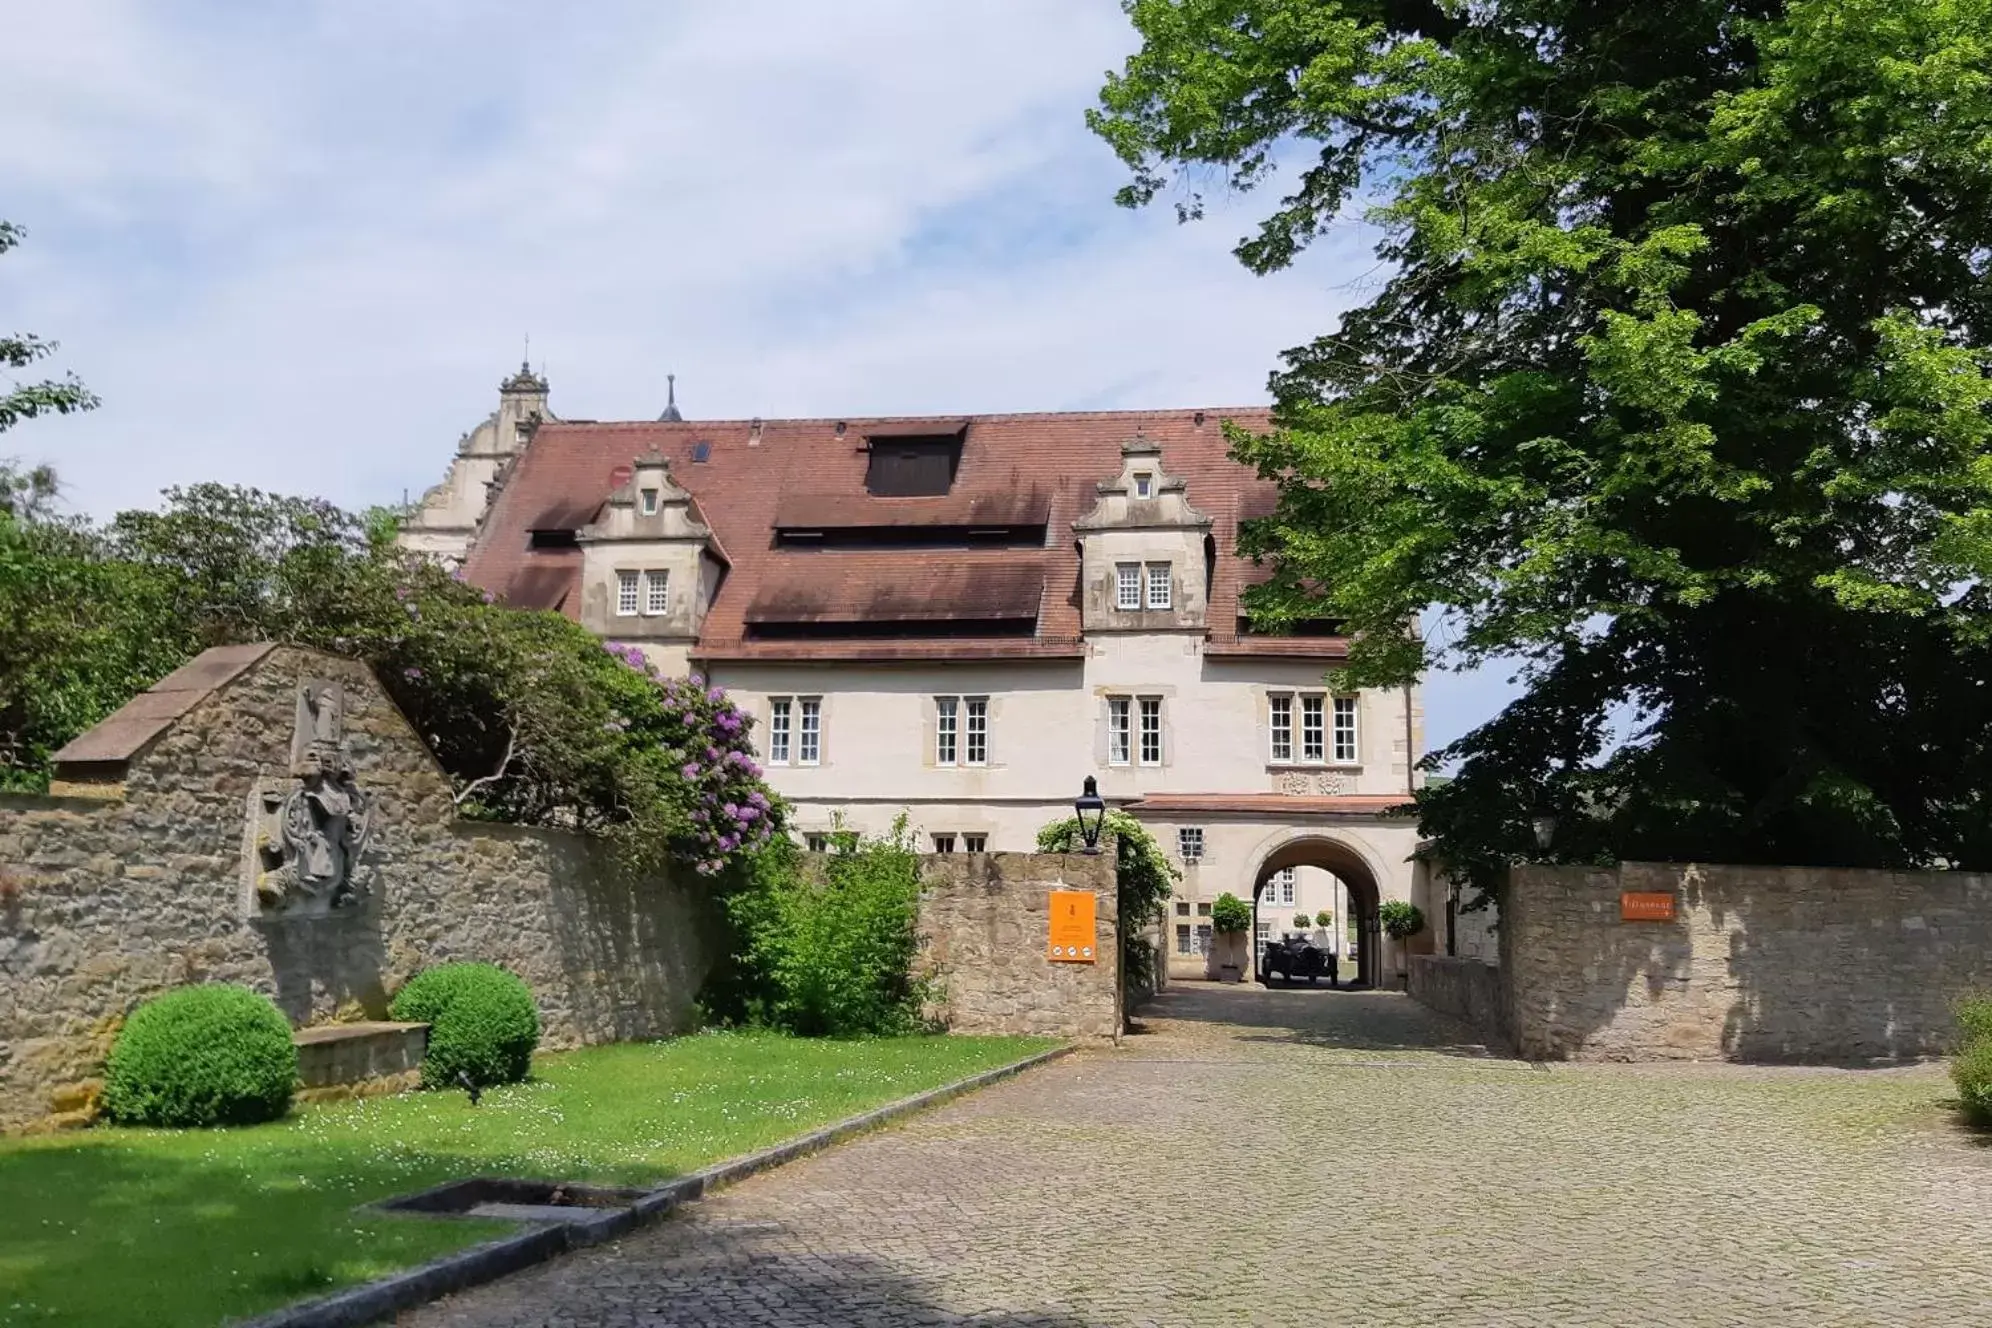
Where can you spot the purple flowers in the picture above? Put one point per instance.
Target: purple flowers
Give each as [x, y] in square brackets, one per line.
[705, 738]
[412, 674]
[690, 770]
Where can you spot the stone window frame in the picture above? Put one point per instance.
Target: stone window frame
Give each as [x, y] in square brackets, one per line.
[1127, 587]
[628, 597]
[1144, 484]
[656, 592]
[963, 724]
[1203, 908]
[1182, 908]
[944, 842]
[1184, 946]
[816, 841]
[649, 505]
[974, 843]
[1317, 737]
[1165, 583]
[1190, 844]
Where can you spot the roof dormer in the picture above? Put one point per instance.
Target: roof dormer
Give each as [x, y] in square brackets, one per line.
[1141, 550]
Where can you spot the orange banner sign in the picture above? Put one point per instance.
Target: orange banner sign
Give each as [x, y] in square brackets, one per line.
[1071, 927]
[1646, 906]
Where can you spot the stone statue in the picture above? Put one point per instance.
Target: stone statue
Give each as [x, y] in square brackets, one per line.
[309, 836]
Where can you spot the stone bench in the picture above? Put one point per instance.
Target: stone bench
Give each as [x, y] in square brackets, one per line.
[359, 1060]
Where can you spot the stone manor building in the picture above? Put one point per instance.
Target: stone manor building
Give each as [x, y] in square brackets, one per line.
[960, 619]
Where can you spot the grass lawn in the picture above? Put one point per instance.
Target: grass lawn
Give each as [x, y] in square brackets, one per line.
[193, 1227]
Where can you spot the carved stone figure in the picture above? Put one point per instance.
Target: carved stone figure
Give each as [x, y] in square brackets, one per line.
[308, 836]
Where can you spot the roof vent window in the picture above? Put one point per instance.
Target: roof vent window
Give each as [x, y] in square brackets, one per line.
[913, 467]
[554, 539]
[701, 450]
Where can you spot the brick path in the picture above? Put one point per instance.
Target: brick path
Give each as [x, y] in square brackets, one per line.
[1324, 1158]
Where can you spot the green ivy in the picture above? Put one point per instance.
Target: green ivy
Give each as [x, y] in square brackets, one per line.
[1143, 880]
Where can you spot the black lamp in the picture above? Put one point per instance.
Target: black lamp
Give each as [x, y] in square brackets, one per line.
[1092, 810]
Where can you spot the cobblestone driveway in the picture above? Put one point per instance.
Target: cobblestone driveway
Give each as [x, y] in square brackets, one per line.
[1324, 1158]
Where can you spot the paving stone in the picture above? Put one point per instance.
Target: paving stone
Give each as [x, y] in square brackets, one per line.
[1321, 1157]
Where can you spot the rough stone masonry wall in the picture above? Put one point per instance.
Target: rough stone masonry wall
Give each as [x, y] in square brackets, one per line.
[1468, 990]
[1760, 963]
[105, 903]
[985, 930]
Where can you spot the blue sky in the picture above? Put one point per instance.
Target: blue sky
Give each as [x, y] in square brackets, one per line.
[297, 246]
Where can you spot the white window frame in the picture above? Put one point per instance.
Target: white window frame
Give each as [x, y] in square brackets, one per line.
[650, 502]
[944, 843]
[1120, 730]
[627, 597]
[1127, 587]
[1343, 732]
[975, 730]
[1284, 878]
[809, 730]
[1150, 709]
[1144, 484]
[1313, 728]
[1279, 716]
[947, 730]
[656, 592]
[1190, 843]
[974, 843]
[1157, 578]
[781, 715]
[816, 842]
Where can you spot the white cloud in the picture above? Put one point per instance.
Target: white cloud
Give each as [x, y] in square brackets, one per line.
[297, 247]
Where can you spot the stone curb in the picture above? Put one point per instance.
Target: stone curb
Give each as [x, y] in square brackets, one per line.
[373, 1301]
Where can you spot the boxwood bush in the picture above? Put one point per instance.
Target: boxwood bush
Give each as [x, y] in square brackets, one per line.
[210, 1055]
[482, 1024]
[1971, 1071]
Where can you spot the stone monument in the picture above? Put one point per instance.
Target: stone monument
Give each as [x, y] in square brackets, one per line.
[307, 834]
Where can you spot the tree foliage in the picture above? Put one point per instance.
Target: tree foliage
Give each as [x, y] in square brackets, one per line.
[18, 350]
[1674, 385]
[536, 721]
[1230, 914]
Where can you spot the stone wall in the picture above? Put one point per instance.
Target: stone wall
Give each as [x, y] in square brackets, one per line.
[985, 933]
[108, 900]
[1759, 963]
[1468, 990]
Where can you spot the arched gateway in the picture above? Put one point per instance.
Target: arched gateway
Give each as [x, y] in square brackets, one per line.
[1352, 866]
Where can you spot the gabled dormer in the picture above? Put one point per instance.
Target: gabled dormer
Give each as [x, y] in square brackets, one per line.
[649, 563]
[1143, 550]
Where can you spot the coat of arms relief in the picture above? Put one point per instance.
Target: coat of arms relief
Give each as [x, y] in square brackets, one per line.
[307, 833]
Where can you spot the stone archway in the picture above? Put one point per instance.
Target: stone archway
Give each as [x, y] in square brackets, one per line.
[1356, 872]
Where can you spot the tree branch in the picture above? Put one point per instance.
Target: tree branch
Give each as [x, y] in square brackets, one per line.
[511, 737]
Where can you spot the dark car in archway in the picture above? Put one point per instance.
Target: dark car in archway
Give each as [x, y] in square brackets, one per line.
[1295, 957]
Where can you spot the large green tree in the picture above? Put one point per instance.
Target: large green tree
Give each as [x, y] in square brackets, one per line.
[1674, 385]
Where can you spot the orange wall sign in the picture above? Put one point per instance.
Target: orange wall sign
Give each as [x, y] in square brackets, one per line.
[1646, 906]
[1071, 927]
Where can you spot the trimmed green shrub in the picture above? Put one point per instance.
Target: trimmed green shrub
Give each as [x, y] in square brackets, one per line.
[1971, 1071]
[1974, 1018]
[1302, 921]
[1324, 919]
[482, 1023]
[1401, 919]
[210, 1055]
[1230, 914]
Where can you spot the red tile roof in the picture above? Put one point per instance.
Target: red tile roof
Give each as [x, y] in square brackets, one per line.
[1014, 470]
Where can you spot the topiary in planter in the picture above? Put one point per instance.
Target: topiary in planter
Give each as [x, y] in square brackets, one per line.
[1401, 920]
[482, 1022]
[1230, 914]
[210, 1055]
[1324, 919]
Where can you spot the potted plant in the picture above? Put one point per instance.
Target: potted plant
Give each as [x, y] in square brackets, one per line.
[1324, 919]
[1301, 922]
[1401, 921]
[1230, 918]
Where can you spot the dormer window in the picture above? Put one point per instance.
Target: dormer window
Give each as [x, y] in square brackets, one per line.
[912, 465]
[650, 502]
[1144, 484]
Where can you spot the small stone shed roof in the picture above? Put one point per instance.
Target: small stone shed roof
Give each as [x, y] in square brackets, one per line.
[122, 736]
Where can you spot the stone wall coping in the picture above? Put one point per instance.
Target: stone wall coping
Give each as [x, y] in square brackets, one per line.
[320, 1033]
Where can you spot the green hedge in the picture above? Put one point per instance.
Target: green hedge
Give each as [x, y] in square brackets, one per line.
[1971, 1071]
[211, 1055]
[482, 1023]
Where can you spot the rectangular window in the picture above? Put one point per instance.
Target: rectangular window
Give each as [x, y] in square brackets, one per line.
[817, 843]
[1158, 585]
[1284, 880]
[1189, 843]
[650, 502]
[945, 712]
[1345, 729]
[1183, 939]
[1127, 586]
[810, 749]
[1151, 730]
[779, 711]
[1203, 938]
[944, 843]
[1182, 908]
[1264, 932]
[1203, 909]
[1144, 484]
[1282, 714]
[975, 843]
[1118, 734]
[978, 729]
[625, 594]
[656, 592]
[1310, 728]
